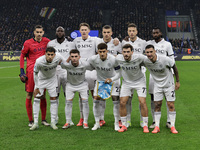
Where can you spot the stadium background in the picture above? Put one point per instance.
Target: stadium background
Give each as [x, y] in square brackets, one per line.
[17, 19]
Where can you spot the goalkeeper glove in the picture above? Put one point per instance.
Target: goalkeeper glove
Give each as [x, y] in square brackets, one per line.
[22, 75]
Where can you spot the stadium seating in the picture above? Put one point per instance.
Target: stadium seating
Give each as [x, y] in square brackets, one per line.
[17, 18]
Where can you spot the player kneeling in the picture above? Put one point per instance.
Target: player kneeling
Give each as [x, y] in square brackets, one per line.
[76, 82]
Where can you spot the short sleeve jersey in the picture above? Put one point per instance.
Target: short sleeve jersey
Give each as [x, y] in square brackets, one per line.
[76, 75]
[47, 70]
[131, 70]
[138, 45]
[160, 70]
[162, 48]
[105, 69]
[63, 49]
[87, 48]
[112, 49]
[33, 50]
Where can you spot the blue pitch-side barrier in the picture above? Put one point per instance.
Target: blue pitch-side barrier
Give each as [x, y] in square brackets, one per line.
[15, 56]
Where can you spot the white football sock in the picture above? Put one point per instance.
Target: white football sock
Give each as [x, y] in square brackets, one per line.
[172, 117]
[124, 120]
[53, 110]
[102, 109]
[68, 110]
[157, 116]
[96, 110]
[36, 109]
[145, 121]
[81, 107]
[85, 110]
[116, 111]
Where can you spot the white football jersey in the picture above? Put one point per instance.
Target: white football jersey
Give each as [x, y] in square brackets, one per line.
[162, 48]
[47, 70]
[86, 47]
[160, 71]
[76, 75]
[63, 49]
[138, 45]
[105, 69]
[131, 70]
[112, 49]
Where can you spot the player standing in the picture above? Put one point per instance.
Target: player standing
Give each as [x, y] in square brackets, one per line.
[112, 49]
[63, 47]
[133, 79]
[138, 45]
[159, 67]
[164, 48]
[86, 45]
[106, 67]
[33, 49]
[45, 78]
[76, 83]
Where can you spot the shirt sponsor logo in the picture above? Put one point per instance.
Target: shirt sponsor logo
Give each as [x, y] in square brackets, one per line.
[137, 49]
[160, 51]
[157, 70]
[130, 68]
[75, 73]
[62, 50]
[39, 49]
[84, 46]
[103, 69]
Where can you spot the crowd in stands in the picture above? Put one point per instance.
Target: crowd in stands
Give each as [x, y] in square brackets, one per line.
[18, 18]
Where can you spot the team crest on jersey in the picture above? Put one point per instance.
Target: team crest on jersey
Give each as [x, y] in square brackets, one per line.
[109, 65]
[90, 41]
[161, 66]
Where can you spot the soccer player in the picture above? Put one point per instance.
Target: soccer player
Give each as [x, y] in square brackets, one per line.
[162, 47]
[138, 45]
[63, 47]
[159, 67]
[33, 49]
[45, 78]
[76, 83]
[133, 79]
[86, 45]
[112, 49]
[106, 67]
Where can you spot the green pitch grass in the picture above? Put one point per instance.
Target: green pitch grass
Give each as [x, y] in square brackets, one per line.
[15, 134]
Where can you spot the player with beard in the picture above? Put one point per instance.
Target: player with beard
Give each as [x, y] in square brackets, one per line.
[164, 48]
[138, 45]
[63, 47]
[33, 49]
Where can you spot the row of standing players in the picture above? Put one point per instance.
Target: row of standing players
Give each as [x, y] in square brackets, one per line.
[87, 46]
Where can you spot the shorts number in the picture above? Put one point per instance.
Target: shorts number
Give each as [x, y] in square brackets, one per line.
[117, 89]
[173, 92]
[144, 89]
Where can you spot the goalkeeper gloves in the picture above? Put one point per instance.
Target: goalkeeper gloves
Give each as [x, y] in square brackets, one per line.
[22, 75]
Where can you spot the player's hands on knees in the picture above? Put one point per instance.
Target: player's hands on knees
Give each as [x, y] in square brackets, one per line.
[22, 75]
[177, 85]
[108, 80]
[116, 41]
[36, 92]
